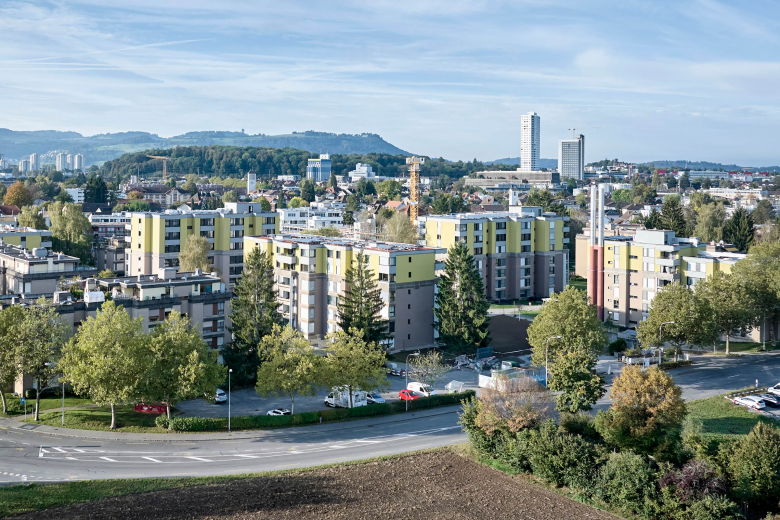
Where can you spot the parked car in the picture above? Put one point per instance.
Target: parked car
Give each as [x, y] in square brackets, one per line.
[408, 395]
[770, 400]
[278, 411]
[751, 401]
[394, 372]
[375, 398]
[218, 398]
[775, 390]
[421, 388]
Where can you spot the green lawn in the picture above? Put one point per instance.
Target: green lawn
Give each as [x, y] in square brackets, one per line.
[15, 407]
[532, 314]
[742, 346]
[723, 420]
[128, 420]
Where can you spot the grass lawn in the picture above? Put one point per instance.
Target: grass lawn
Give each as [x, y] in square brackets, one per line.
[128, 420]
[504, 306]
[723, 420]
[742, 346]
[532, 314]
[15, 406]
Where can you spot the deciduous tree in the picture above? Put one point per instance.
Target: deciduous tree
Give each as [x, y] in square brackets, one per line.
[107, 358]
[353, 363]
[195, 254]
[731, 301]
[31, 216]
[18, 195]
[710, 221]
[361, 305]
[427, 368]
[511, 405]
[572, 374]
[400, 229]
[96, 190]
[10, 318]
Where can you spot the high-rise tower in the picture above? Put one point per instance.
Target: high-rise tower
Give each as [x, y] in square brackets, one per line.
[529, 142]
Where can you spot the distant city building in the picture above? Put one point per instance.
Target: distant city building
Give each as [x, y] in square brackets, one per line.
[316, 216]
[571, 158]
[24, 166]
[34, 166]
[62, 162]
[251, 182]
[77, 194]
[78, 162]
[319, 169]
[4, 164]
[288, 178]
[70, 162]
[113, 225]
[529, 142]
[111, 254]
[500, 180]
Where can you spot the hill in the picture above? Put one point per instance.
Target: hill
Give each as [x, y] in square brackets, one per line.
[236, 161]
[543, 163]
[705, 165]
[104, 147]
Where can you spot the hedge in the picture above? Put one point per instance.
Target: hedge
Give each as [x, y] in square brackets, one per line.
[250, 422]
[675, 364]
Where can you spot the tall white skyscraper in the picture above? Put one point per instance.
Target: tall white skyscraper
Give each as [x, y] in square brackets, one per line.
[78, 162]
[251, 182]
[70, 162]
[529, 142]
[62, 162]
[571, 158]
[34, 166]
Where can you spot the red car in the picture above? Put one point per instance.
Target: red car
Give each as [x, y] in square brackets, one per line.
[408, 395]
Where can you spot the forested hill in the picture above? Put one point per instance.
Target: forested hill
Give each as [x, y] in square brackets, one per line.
[236, 161]
[103, 147]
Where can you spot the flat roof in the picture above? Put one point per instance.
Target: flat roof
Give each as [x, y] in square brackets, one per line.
[369, 245]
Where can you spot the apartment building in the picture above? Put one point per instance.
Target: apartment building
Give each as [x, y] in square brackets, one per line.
[521, 253]
[315, 216]
[111, 254]
[36, 271]
[319, 169]
[25, 237]
[106, 226]
[310, 277]
[156, 239]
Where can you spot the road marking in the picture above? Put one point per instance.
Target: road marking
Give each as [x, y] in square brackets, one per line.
[60, 450]
[336, 446]
[368, 441]
[200, 459]
[150, 458]
[136, 443]
[108, 459]
[248, 456]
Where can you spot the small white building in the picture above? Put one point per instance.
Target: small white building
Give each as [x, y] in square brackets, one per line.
[316, 216]
[77, 194]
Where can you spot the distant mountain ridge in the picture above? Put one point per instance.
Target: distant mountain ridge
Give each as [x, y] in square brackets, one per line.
[103, 147]
[543, 163]
[705, 165]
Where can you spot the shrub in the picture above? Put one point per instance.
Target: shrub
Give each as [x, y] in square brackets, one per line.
[31, 393]
[515, 404]
[161, 421]
[626, 482]
[668, 365]
[713, 508]
[561, 458]
[579, 424]
[694, 481]
[753, 466]
[619, 345]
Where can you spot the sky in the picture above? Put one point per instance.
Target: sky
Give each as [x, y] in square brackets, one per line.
[693, 80]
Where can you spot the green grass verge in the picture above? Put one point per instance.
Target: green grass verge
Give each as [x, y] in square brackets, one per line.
[741, 346]
[723, 420]
[128, 420]
[15, 500]
[15, 406]
[532, 314]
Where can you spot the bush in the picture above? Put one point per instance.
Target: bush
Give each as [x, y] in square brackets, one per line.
[561, 458]
[31, 393]
[626, 482]
[753, 466]
[619, 345]
[713, 508]
[694, 481]
[579, 424]
[668, 365]
[161, 421]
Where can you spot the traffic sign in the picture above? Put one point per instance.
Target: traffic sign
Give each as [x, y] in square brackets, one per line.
[23, 400]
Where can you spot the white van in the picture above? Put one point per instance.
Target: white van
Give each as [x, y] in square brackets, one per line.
[421, 388]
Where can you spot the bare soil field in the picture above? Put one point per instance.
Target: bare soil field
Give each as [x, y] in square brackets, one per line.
[508, 334]
[430, 485]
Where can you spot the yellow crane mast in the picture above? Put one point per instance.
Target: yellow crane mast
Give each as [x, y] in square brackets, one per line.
[414, 185]
[165, 164]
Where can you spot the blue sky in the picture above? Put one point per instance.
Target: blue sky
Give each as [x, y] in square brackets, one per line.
[681, 79]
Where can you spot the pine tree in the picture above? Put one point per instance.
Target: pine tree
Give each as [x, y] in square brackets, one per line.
[739, 230]
[672, 216]
[361, 304]
[461, 308]
[254, 312]
[653, 220]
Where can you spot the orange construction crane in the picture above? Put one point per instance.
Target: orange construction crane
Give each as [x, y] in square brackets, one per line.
[165, 164]
[414, 185]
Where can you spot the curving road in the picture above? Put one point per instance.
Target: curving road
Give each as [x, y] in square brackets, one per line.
[46, 455]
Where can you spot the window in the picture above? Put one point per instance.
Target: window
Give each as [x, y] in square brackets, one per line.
[239, 259]
[463, 227]
[236, 221]
[391, 311]
[615, 304]
[391, 327]
[633, 257]
[617, 279]
[477, 238]
[525, 249]
[171, 262]
[171, 223]
[207, 234]
[206, 222]
[236, 233]
[552, 269]
[501, 225]
[234, 246]
[410, 260]
[477, 250]
[236, 270]
[171, 249]
[500, 262]
[501, 237]
[410, 274]
[500, 273]
[525, 236]
[383, 260]
[384, 277]
[525, 272]
[409, 321]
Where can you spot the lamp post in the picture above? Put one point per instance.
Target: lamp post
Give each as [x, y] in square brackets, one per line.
[407, 377]
[230, 371]
[546, 347]
[661, 350]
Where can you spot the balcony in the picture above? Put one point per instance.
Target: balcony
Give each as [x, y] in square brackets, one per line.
[308, 260]
[286, 259]
[668, 262]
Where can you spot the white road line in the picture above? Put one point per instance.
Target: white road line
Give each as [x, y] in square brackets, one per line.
[69, 458]
[150, 458]
[368, 441]
[247, 456]
[60, 450]
[336, 446]
[108, 459]
[195, 458]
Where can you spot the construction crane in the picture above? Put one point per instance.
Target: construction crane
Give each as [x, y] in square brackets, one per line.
[165, 164]
[574, 130]
[414, 185]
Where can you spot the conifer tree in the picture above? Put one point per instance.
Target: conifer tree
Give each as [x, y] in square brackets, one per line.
[361, 305]
[672, 217]
[739, 230]
[461, 308]
[254, 312]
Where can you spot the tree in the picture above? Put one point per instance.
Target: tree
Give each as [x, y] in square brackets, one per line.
[760, 273]
[352, 363]
[706, 184]
[307, 190]
[691, 314]
[764, 212]
[18, 195]
[621, 195]
[290, 366]
[63, 196]
[107, 357]
[390, 189]
[40, 336]
[190, 184]
[71, 230]
[653, 219]
[427, 368]
[739, 230]
[171, 183]
[254, 314]
[10, 318]
[709, 222]
[264, 204]
[297, 202]
[512, 405]
[96, 190]
[734, 309]
[461, 309]
[195, 254]
[135, 195]
[566, 314]
[106, 273]
[400, 229]
[444, 203]
[179, 365]
[360, 307]
[348, 218]
[332, 183]
[31, 216]
[647, 410]
[353, 203]
[573, 374]
[364, 188]
[230, 196]
[672, 216]
[685, 181]
[753, 466]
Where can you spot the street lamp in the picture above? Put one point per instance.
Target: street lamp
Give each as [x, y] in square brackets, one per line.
[661, 349]
[407, 377]
[230, 371]
[546, 347]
